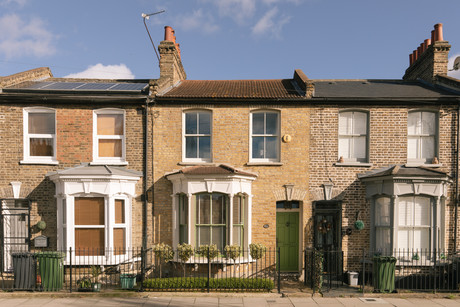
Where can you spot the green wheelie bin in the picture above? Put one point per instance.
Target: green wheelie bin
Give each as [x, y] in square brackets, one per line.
[51, 268]
[384, 274]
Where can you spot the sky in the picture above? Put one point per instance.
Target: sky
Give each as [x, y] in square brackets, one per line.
[223, 39]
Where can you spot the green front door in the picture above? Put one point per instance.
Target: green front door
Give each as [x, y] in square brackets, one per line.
[287, 237]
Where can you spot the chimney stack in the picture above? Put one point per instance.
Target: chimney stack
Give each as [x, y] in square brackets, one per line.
[430, 58]
[171, 68]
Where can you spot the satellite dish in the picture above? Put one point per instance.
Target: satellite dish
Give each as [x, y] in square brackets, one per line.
[456, 63]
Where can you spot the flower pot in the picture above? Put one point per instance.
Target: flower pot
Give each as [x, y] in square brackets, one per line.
[96, 286]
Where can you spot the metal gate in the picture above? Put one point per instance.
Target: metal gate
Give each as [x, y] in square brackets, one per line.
[15, 234]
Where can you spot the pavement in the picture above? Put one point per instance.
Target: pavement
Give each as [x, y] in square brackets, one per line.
[224, 299]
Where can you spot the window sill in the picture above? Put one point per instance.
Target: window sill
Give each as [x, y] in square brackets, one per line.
[415, 164]
[355, 164]
[121, 163]
[265, 164]
[50, 162]
[192, 163]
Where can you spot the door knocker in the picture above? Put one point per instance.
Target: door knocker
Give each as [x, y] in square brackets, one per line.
[324, 226]
[288, 224]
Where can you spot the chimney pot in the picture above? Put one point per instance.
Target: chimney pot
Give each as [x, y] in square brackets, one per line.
[427, 43]
[422, 47]
[414, 55]
[411, 58]
[432, 36]
[438, 32]
[169, 34]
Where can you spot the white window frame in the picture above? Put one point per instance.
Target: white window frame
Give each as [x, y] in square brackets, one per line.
[351, 136]
[66, 229]
[278, 137]
[419, 160]
[28, 159]
[109, 160]
[198, 135]
[436, 226]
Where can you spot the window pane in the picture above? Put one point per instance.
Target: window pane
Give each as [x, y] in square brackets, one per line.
[41, 123]
[412, 148]
[422, 211]
[203, 209]
[238, 210]
[238, 235]
[41, 147]
[258, 123]
[383, 239]
[183, 231]
[345, 123]
[271, 146]
[119, 211]
[421, 239]
[258, 147]
[271, 123]
[183, 210]
[344, 147]
[405, 205]
[218, 237]
[428, 147]
[110, 124]
[204, 235]
[382, 211]
[191, 147]
[205, 147]
[360, 123]
[191, 123]
[403, 239]
[414, 123]
[359, 148]
[110, 148]
[119, 241]
[218, 209]
[89, 241]
[429, 123]
[205, 123]
[89, 211]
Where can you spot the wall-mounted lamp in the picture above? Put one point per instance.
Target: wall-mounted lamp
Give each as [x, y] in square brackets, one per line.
[327, 188]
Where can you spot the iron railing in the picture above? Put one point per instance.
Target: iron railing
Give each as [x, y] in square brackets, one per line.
[139, 269]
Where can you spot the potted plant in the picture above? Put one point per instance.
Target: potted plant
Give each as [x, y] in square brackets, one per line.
[84, 284]
[184, 252]
[95, 272]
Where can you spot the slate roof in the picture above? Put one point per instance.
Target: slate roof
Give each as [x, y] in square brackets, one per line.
[85, 169]
[221, 169]
[402, 171]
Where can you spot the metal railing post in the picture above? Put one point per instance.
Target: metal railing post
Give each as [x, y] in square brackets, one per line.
[143, 260]
[209, 271]
[305, 267]
[279, 269]
[70, 261]
[435, 269]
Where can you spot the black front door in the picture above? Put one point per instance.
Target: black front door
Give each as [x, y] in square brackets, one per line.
[327, 234]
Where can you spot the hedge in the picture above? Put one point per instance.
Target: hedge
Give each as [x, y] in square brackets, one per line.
[214, 283]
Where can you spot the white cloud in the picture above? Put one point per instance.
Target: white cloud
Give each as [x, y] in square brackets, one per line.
[198, 20]
[270, 24]
[238, 10]
[100, 71]
[450, 65]
[19, 38]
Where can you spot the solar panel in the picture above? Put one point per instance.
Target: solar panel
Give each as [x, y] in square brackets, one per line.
[96, 86]
[79, 86]
[129, 87]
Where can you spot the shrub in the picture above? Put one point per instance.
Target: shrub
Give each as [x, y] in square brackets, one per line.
[203, 251]
[184, 252]
[257, 250]
[214, 283]
[163, 252]
[232, 252]
[314, 266]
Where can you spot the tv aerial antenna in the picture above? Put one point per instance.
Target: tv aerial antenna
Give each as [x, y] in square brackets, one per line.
[456, 64]
[147, 16]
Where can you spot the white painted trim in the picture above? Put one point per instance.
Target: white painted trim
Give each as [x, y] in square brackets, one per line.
[108, 160]
[27, 158]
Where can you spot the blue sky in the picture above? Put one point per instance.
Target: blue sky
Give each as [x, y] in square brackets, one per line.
[223, 39]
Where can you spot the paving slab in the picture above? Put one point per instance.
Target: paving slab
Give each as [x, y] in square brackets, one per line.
[303, 302]
[445, 302]
[399, 302]
[423, 302]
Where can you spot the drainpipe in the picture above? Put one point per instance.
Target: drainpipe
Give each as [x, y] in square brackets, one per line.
[145, 187]
[456, 179]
